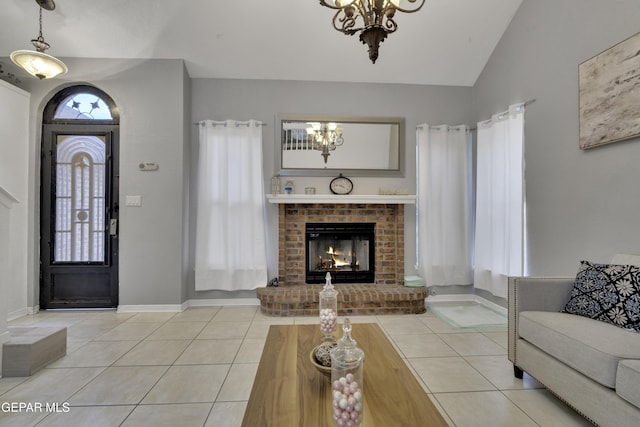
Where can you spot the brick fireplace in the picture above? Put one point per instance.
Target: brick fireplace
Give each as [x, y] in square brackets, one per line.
[389, 230]
[294, 297]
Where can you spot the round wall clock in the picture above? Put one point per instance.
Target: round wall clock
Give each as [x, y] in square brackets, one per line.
[341, 185]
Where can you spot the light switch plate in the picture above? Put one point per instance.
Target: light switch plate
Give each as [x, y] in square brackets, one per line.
[133, 201]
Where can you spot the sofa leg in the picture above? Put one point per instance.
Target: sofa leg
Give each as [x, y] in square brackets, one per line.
[517, 372]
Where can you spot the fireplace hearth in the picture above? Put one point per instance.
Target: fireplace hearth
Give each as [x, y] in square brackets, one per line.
[346, 250]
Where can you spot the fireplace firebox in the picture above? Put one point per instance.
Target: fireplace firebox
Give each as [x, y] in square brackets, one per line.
[346, 250]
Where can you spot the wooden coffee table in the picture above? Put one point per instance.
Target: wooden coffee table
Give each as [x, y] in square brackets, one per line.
[289, 391]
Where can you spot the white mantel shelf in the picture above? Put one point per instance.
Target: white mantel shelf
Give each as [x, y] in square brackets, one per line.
[406, 199]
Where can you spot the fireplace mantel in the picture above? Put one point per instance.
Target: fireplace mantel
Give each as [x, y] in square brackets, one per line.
[338, 199]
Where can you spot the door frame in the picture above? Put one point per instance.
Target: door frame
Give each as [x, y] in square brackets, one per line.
[109, 129]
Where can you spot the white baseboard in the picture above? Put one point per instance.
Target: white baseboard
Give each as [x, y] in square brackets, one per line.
[178, 308]
[16, 314]
[22, 312]
[467, 298]
[222, 301]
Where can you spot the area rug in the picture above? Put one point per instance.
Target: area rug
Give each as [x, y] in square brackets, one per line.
[467, 315]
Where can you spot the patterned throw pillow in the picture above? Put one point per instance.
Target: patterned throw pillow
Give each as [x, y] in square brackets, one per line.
[607, 292]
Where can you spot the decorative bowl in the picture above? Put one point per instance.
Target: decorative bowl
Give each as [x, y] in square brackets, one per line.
[326, 370]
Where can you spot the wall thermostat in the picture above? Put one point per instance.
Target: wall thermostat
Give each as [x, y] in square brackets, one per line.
[149, 166]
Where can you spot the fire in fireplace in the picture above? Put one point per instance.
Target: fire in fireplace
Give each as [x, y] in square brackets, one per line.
[346, 250]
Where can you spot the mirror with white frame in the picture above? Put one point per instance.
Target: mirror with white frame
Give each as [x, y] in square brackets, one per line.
[312, 145]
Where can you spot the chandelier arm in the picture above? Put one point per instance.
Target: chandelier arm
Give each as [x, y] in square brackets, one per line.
[347, 24]
[390, 25]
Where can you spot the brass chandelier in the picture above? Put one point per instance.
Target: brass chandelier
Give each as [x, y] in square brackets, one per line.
[374, 19]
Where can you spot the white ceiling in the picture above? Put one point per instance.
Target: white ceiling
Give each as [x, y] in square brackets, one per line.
[448, 42]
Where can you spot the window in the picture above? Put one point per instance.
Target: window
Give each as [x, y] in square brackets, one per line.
[81, 104]
[84, 106]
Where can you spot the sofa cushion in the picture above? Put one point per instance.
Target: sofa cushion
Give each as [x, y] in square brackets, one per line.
[628, 381]
[607, 292]
[589, 346]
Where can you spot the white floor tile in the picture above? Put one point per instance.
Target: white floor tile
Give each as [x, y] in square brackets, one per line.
[95, 353]
[172, 415]
[545, 409]
[188, 384]
[250, 351]
[499, 371]
[195, 314]
[449, 374]
[220, 330]
[151, 317]
[177, 331]
[130, 331]
[198, 367]
[235, 313]
[424, 345]
[209, 352]
[156, 352]
[52, 385]
[474, 343]
[488, 408]
[226, 414]
[122, 385]
[94, 416]
[237, 386]
[403, 325]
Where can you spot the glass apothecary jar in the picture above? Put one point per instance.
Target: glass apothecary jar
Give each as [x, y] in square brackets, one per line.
[275, 184]
[347, 363]
[328, 305]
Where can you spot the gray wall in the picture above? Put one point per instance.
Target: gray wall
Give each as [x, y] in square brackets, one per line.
[580, 204]
[153, 98]
[263, 100]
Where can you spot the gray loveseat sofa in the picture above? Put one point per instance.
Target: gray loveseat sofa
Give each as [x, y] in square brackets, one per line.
[591, 365]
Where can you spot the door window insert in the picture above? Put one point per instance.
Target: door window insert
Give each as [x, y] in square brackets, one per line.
[80, 198]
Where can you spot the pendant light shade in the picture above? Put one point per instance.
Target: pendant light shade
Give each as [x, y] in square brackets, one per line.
[37, 62]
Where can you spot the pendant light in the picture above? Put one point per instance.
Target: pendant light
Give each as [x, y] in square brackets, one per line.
[37, 62]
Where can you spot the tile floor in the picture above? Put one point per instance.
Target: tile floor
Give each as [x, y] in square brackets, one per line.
[196, 368]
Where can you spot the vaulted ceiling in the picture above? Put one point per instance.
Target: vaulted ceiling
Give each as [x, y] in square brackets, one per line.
[448, 42]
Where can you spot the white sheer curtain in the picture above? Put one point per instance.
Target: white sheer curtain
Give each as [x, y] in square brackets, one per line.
[444, 205]
[499, 230]
[230, 230]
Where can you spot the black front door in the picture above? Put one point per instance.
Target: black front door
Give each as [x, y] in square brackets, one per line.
[79, 216]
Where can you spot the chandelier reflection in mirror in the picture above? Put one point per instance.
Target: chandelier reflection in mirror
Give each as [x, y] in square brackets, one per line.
[325, 137]
[374, 19]
[322, 136]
